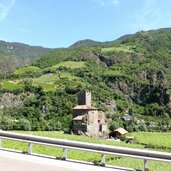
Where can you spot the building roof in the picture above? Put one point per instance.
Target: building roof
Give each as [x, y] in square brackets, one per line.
[85, 107]
[126, 118]
[122, 131]
[78, 118]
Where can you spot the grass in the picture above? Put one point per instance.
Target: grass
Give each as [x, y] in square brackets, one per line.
[11, 85]
[47, 78]
[45, 86]
[47, 82]
[52, 78]
[92, 157]
[113, 73]
[27, 69]
[69, 64]
[158, 139]
[51, 82]
[117, 49]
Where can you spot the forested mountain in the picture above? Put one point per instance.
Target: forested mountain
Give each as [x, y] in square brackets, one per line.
[87, 42]
[14, 55]
[131, 75]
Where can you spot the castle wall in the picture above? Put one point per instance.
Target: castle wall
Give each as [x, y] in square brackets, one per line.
[104, 127]
[93, 129]
[101, 117]
[92, 116]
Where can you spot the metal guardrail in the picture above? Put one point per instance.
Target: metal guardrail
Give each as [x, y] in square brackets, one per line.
[89, 147]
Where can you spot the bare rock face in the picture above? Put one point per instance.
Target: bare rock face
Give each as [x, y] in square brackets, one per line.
[111, 106]
[5, 66]
[10, 100]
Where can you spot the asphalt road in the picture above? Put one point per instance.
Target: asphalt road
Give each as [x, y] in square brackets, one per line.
[14, 161]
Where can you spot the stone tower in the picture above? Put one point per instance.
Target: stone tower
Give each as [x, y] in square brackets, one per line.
[86, 118]
[84, 98]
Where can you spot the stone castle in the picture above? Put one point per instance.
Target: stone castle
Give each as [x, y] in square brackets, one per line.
[86, 118]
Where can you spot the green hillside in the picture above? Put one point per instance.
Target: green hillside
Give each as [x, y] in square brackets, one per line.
[131, 75]
[24, 70]
[69, 64]
[14, 55]
[11, 85]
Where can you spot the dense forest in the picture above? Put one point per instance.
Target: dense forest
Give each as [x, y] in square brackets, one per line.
[130, 80]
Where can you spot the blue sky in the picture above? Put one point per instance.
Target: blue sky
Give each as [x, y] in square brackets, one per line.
[59, 23]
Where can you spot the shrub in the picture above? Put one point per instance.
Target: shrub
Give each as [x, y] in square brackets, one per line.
[6, 123]
[24, 124]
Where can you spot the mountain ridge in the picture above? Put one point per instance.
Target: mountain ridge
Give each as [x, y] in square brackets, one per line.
[129, 76]
[18, 54]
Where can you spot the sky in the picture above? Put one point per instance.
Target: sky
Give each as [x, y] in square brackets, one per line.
[60, 23]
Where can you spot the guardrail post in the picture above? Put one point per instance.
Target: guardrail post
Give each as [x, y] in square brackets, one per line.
[65, 153]
[0, 143]
[103, 159]
[29, 148]
[146, 165]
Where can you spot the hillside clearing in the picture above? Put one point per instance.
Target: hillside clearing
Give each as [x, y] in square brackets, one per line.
[69, 64]
[27, 69]
[11, 85]
[118, 49]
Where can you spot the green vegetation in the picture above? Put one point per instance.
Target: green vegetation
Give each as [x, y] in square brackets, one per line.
[51, 82]
[156, 140]
[24, 70]
[112, 73]
[14, 55]
[69, 64]
[12, 85]
[45, 85]
[47, 78]
[128, 76]
[117, 49]
[93, 157]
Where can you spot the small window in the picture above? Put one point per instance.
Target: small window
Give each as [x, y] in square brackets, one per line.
[100, 127]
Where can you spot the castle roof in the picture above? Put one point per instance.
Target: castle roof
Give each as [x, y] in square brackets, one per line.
[78, 118]
[85, 107]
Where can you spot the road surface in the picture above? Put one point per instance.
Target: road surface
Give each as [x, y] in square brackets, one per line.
[15, 161]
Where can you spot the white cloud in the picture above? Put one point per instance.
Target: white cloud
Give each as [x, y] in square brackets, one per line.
[148, 17]
[5, 8]
[25, 30]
